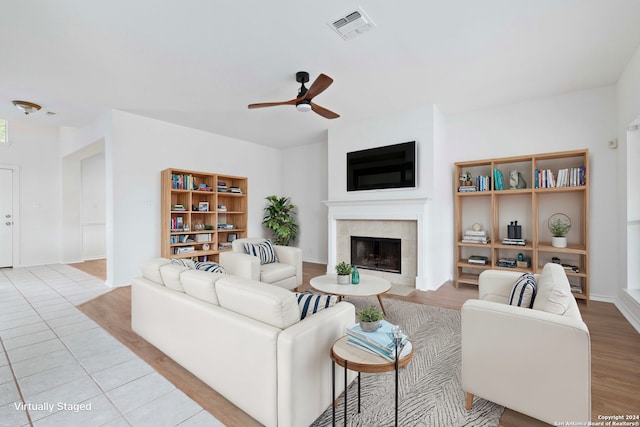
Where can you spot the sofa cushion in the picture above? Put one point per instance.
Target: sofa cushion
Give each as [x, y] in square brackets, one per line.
[269, 304]
[310, 303]
[171, 276]
[201, 284]
[553, 290]
[151, 269]
[211, 267]
[184, 262]
[264, 251]
[524, 291]
[276, 271]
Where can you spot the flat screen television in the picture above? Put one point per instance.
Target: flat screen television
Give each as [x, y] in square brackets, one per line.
[391, 166]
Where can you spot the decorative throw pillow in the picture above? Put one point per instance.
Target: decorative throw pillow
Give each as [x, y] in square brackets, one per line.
[184, 262]
[264, 251]
[209, 266]
[524, 291]
[311, 303]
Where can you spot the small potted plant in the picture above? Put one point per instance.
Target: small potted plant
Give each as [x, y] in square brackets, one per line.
[559, 225]
[466, 178]
[344, 273]
[370, 318]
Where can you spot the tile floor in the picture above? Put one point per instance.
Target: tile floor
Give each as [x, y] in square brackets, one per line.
[59, 368]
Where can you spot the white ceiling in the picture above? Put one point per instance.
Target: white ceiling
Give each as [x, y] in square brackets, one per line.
[199, 63]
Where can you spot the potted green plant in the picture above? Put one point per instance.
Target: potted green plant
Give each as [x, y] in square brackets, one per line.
[278, 217]
[370, 318]
[559, 226]
[344, 273]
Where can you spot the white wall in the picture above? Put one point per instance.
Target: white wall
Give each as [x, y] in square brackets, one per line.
[138, 149]
[35, 150]
[304, 179]
[93, 208]
[585, 119]
[628, 109]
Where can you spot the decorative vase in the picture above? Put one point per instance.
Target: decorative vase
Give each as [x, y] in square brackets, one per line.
[344, 279]
[355, 276]
[559, 242]
[370, 326]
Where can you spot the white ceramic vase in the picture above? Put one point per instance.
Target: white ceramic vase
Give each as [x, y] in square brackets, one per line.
[344, 279]
[559, 242]
[370, 326]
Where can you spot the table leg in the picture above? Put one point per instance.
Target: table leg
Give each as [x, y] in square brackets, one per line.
[333, 391]
[396, 385]
[346, 401]
[381, 305]
[358, 391]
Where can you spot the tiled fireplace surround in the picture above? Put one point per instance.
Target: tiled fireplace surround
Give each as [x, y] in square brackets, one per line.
[398, 219]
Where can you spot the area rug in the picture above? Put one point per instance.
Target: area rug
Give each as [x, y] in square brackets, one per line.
[430, 386]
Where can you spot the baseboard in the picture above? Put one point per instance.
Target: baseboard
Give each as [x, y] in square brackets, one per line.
[630, 308]
[315, 261]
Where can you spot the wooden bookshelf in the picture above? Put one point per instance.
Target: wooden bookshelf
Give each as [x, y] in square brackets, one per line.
[531, 206]
[195, 206]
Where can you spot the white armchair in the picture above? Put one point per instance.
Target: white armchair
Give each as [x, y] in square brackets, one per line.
[286, 273]
[535, 361]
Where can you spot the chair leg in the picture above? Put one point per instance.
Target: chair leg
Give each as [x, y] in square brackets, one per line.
[469, 401]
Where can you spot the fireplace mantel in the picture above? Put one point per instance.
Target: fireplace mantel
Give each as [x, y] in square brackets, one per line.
[388, 209]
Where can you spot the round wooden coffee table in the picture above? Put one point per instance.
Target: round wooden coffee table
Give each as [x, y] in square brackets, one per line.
[351, 357]
[369, 286]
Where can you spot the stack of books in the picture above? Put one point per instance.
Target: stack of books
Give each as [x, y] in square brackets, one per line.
[222, 187]
[472, 236]
[236, 190]
[379, 342]
[478, 259]
[507, 262]
[467, 188]
[515, 242]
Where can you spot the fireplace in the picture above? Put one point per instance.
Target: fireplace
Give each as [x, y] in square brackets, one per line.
[376, 253]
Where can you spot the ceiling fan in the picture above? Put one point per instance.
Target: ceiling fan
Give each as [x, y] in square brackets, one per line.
[303, 101]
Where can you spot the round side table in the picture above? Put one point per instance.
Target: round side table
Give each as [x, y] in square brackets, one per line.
[351, 357]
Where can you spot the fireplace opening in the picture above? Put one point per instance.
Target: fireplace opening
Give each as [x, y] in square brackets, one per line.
[376, 253]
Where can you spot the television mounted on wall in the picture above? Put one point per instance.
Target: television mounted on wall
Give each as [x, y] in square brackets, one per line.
[390, 166]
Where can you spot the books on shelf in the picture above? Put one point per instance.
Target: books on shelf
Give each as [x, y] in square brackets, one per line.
[472, 236]
[224, 246]
[483, 183]
[576, 288]
[379, 342]
[185, 249]
[178, 208]
[236, 190]
[478, 259]
[507, 262]
[467, 188]
[183, 182]
[567, 177]
[515, 242]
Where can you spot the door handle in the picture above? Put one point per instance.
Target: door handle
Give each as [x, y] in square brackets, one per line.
[7, 216]
[8, 223]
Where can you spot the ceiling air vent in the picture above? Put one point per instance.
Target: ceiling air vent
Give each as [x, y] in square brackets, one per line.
[352, 24]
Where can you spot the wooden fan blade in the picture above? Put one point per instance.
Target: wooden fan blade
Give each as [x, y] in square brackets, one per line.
[273, 104]
[319, 85]
[327, 114]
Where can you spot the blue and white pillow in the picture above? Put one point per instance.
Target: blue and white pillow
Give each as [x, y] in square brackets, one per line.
[264, 251]
[209, 266]
[311, 303]
[523, 292]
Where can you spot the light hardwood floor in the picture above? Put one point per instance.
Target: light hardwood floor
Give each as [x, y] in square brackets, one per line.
[615, 350]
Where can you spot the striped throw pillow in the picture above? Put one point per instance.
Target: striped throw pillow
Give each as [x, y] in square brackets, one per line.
[524, 291]
[211, 267]
[264, 251]
[311, 303]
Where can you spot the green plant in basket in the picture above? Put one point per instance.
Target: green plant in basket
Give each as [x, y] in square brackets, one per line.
[370, 314]
[343, 268]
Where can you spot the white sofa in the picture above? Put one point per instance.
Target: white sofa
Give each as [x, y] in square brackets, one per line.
[243, 338]
[286, 273]
[535, 361]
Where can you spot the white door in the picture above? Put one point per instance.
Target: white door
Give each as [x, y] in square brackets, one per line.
[6, 218]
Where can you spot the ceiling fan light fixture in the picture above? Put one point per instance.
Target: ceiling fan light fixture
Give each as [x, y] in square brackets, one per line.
[26, 107]
[303, 107]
